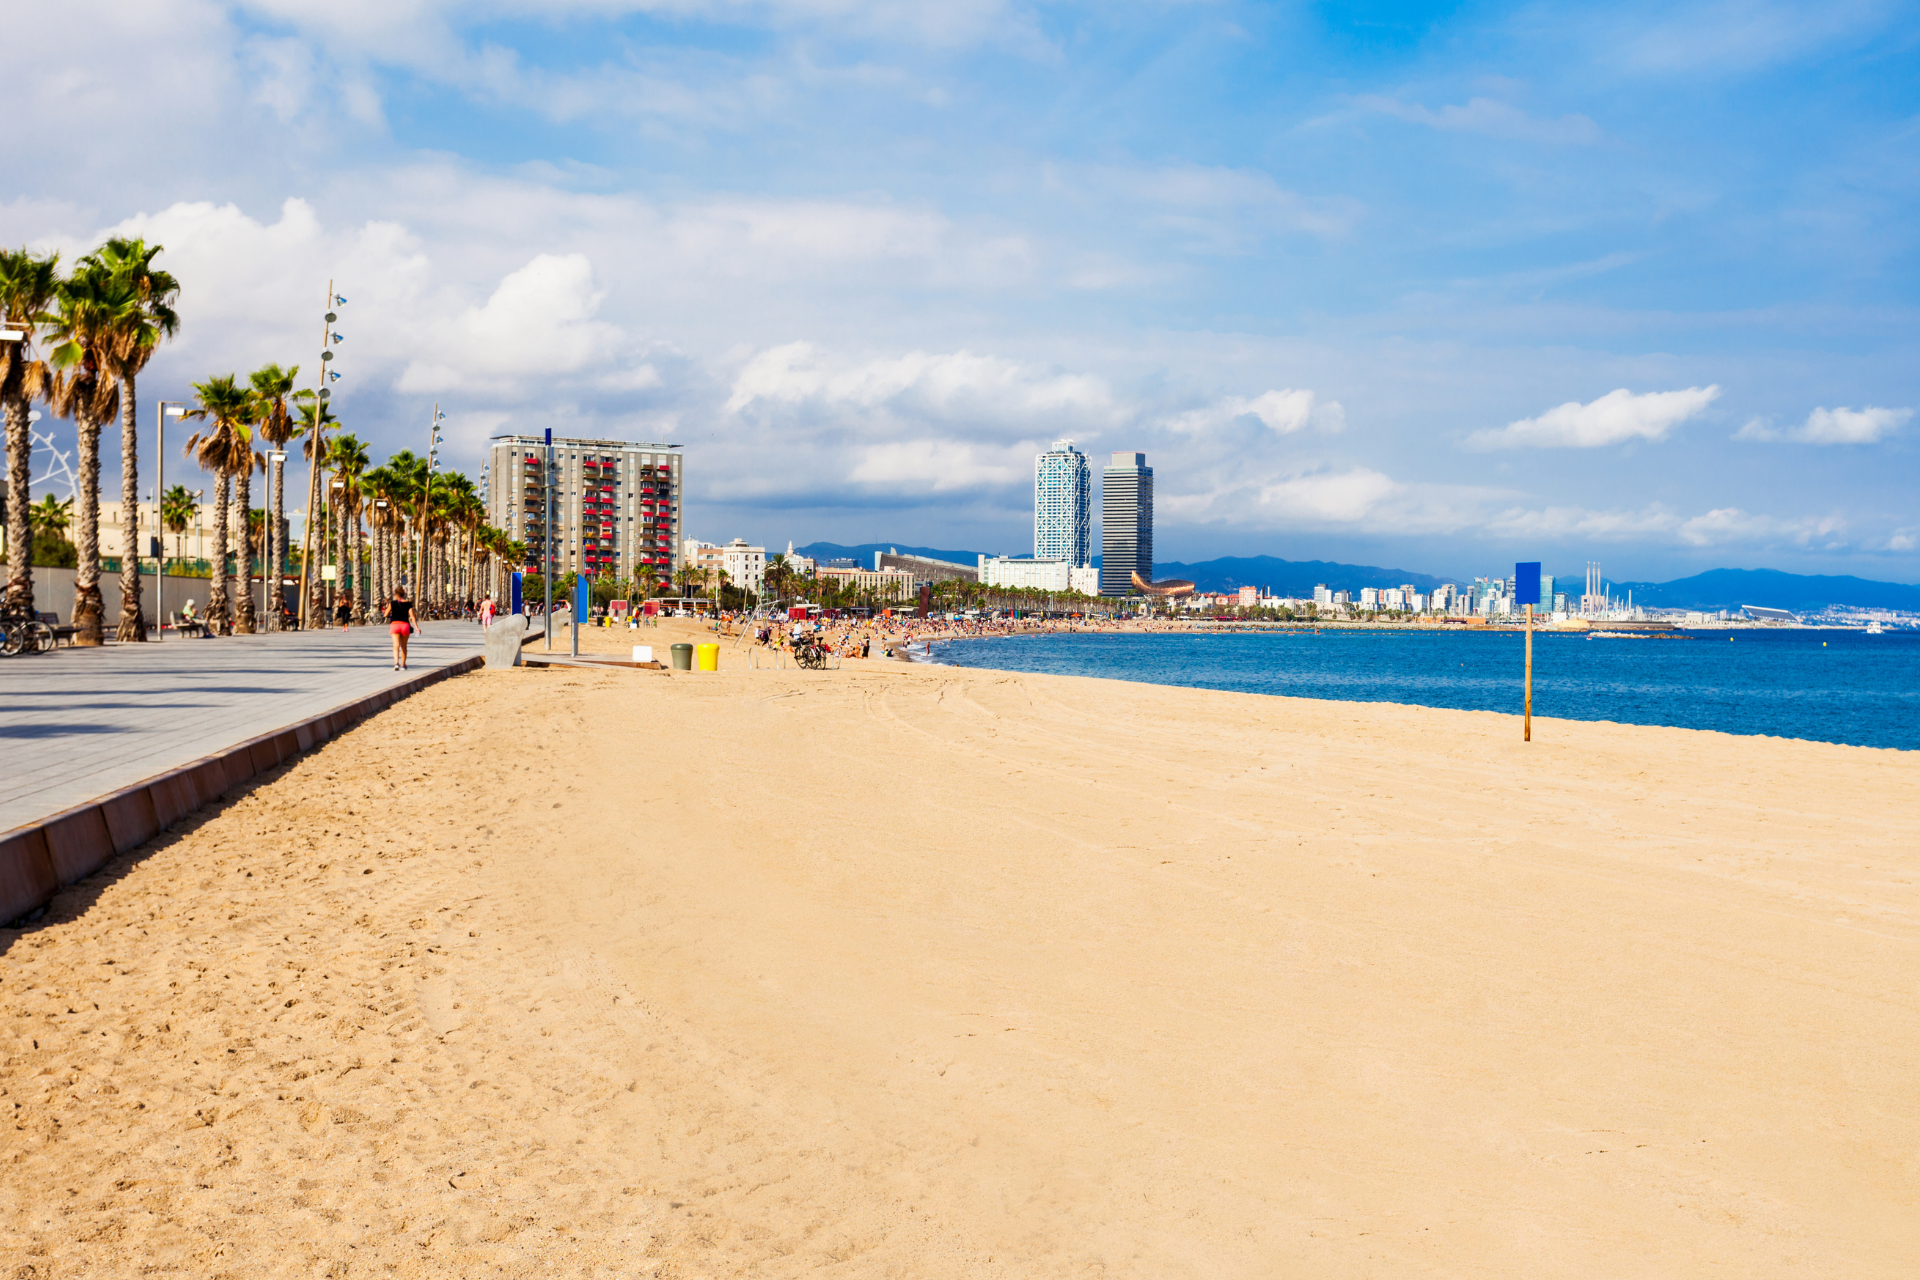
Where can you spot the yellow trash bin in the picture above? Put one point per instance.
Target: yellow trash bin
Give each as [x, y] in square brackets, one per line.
[707, 656]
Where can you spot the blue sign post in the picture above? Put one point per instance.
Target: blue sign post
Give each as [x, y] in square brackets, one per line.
[1526, 591]
[582, 601]
[519, 601]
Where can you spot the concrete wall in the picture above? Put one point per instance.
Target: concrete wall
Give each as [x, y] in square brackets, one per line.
[53, 593]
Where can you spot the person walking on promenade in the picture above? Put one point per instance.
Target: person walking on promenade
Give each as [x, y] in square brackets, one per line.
[343, 610]
[486, 613]
[400, 625]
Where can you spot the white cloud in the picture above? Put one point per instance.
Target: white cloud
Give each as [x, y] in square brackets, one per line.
[1832, 426]
[1344, 497]
[1491, 117]
[943, 465]
[1615, 417]
[1283, 412]
[540, 322]
[987, 391]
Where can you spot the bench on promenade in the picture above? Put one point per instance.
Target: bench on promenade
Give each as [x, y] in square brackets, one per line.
[185, 627]
[59, 632]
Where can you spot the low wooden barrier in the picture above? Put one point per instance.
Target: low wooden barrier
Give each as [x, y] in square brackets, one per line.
[39, 859]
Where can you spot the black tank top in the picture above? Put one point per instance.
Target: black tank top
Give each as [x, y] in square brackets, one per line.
[400, 611]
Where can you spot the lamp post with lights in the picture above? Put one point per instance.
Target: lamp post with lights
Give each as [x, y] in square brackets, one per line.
[309, 584]
[426, 490]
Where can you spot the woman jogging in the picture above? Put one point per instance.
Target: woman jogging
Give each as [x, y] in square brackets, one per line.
[400, 625]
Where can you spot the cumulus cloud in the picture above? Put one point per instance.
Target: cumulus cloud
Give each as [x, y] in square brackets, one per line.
[1490, 117]
[1615, 417]
[988, 391]
[1832, 426]
[539, 321]
[1282, 412]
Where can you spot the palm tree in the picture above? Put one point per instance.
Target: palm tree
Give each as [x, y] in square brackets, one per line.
[225, 448]
[177, 509]
[130, 343]
[315, 417]
[272, 387]
[95, 308]
[28, 286]
[348, 459]
[50, 517]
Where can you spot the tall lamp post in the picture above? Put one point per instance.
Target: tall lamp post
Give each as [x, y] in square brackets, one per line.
[162, 411]
[426, 490]
[328, 338]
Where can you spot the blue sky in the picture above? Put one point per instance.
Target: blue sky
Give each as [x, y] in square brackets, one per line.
[1439, 287]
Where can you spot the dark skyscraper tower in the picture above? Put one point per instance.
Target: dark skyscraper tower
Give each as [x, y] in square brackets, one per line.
[1126, 524]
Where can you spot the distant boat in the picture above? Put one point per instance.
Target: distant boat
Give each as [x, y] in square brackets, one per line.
[1875, 629]
[1618, 635]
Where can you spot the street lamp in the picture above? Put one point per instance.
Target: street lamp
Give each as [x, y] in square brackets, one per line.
[327, 377]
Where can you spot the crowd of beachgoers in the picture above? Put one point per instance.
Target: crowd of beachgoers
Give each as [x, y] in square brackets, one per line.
[901, 638]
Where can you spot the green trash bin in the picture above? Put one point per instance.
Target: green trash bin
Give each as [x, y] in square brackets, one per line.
[683, 657]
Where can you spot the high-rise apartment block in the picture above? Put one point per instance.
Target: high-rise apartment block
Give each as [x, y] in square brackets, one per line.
[1063, 505]
[616, 503]
[1126, 524]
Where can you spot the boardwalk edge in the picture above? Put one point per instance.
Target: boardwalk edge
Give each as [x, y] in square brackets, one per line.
[41, 858]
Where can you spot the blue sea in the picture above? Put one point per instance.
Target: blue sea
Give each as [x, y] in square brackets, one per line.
[1829, 686]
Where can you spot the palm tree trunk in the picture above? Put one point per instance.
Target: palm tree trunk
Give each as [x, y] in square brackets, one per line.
[133, 622]
[87, 605]
[19, 527]
[316, 589]
[217, 621]
[341, 582]
[244, 617]
[362, 571]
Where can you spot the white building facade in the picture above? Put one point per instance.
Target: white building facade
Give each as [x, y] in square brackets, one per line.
[1036, 574]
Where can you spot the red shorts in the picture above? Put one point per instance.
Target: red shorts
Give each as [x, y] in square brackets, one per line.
[401, 628]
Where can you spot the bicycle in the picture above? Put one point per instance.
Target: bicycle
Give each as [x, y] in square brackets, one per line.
[21, 632]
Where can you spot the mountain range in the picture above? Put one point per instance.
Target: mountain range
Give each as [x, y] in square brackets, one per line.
[1714, 589]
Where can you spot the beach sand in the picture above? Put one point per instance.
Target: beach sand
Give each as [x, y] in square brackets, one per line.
[910, 971]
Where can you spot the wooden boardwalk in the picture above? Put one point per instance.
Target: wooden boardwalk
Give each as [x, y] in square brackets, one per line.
[77, 724]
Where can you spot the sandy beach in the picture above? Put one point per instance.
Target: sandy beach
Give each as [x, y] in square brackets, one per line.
[900, 970]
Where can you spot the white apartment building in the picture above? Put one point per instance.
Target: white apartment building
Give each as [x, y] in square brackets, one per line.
[1033, 574]
[745, 566]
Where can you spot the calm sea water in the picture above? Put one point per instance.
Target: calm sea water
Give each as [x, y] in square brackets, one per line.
[1825, 685]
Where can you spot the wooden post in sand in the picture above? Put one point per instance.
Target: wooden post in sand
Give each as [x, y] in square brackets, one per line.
[1526, 591]
[1526, 732]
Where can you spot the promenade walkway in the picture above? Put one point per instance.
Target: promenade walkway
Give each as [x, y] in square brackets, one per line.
[77, 724]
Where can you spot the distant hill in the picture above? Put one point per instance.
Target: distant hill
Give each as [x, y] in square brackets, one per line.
[1731, 588]
[864, 552]
[1291, 577]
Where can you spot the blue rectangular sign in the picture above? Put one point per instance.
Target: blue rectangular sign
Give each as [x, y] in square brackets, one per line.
[1526, 583]
[519, 605]
[582, 597]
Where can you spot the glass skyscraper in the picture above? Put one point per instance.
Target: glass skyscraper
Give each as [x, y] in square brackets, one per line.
[1063, 505]
[1126, 524]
